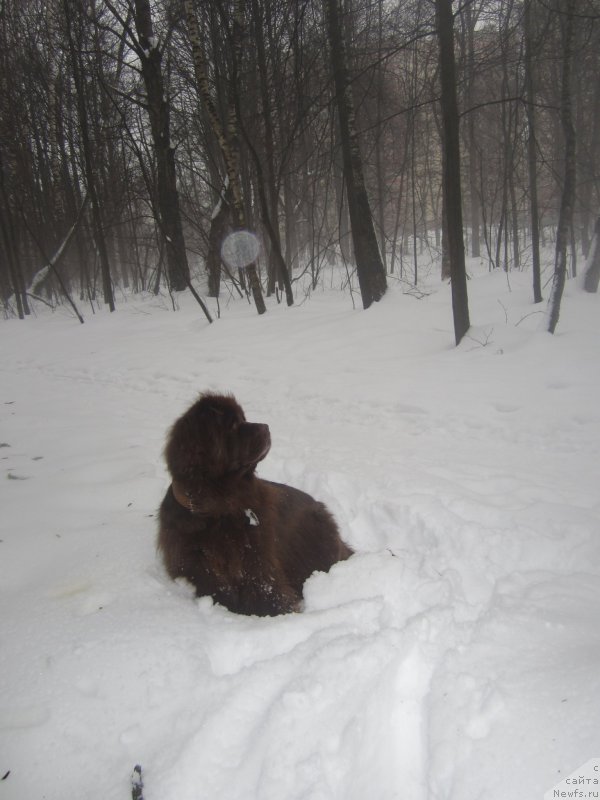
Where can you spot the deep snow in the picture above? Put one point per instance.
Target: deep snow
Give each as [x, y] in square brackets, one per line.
[456, 656]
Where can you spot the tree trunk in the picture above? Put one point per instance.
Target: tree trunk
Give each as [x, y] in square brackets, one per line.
[471, 18]
[226, 137]
[371, 272]
[75, 48]
[592, 274]
[565, 218]
[344, 233]
[531, 155]
[272, 190]
[15, 271]
[159, 112]
[450, 143]
[266, 186]
[380, 140]
[216, 234]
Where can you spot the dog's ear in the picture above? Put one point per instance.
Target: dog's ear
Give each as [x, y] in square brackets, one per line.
[221, 408]
[182, 452]
[192, 441]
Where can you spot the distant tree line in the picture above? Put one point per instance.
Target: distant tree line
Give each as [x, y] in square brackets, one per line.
[135, 134]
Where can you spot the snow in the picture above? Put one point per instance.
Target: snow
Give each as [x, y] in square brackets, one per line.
[217, 209]
[455, 656]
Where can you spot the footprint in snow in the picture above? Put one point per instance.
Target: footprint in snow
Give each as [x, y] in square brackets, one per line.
[505, 408]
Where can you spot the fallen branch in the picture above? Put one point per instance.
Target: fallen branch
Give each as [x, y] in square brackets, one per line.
[52, 263]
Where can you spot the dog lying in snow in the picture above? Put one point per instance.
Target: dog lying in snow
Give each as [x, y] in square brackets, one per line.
[248, 543]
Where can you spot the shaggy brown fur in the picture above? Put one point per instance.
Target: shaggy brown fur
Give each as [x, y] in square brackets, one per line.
[248, 543]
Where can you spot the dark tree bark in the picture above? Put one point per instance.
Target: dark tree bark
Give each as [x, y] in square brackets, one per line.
[167, 197]
[565, 218]
[452, 182]
[531, 154]
[8, 238]
[369, 265]
[446, 261]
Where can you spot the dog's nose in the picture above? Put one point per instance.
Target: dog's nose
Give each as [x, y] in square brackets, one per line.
[256, 428]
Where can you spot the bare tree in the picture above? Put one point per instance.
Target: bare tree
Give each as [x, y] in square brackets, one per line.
[82, 105]
[469, 17]
[531, 150]
[227, 135]
[74, 21]
[565, 220]
[371, 272]
[149, 50]
[452, 181]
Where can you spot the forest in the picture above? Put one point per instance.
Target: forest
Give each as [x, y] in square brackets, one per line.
[136, 134]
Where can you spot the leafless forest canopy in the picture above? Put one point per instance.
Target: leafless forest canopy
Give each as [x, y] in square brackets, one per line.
[135, 134]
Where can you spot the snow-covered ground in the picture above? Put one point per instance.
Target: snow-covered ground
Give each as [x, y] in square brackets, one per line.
[456, 656]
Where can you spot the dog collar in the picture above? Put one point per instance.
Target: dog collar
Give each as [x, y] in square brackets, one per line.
[186, 501]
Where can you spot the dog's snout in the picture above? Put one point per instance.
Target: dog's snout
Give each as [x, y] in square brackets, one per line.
[256, 429]
[258, 440]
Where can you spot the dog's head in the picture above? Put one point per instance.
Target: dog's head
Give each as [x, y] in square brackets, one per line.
[212, 451]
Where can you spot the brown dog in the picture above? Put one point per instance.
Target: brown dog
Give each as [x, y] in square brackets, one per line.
[248, 543]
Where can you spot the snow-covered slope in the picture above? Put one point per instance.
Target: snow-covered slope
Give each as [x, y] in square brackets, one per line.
[455, 656]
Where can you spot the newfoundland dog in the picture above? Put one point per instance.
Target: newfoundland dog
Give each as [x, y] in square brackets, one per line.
[248, 543]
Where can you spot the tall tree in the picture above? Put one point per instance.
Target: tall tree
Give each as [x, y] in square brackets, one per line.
[531, 150]
[566, 10]
[451, 177]
[470, 17]
[226, 135]
[369, 265]
[167, 197]
[74, 20]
